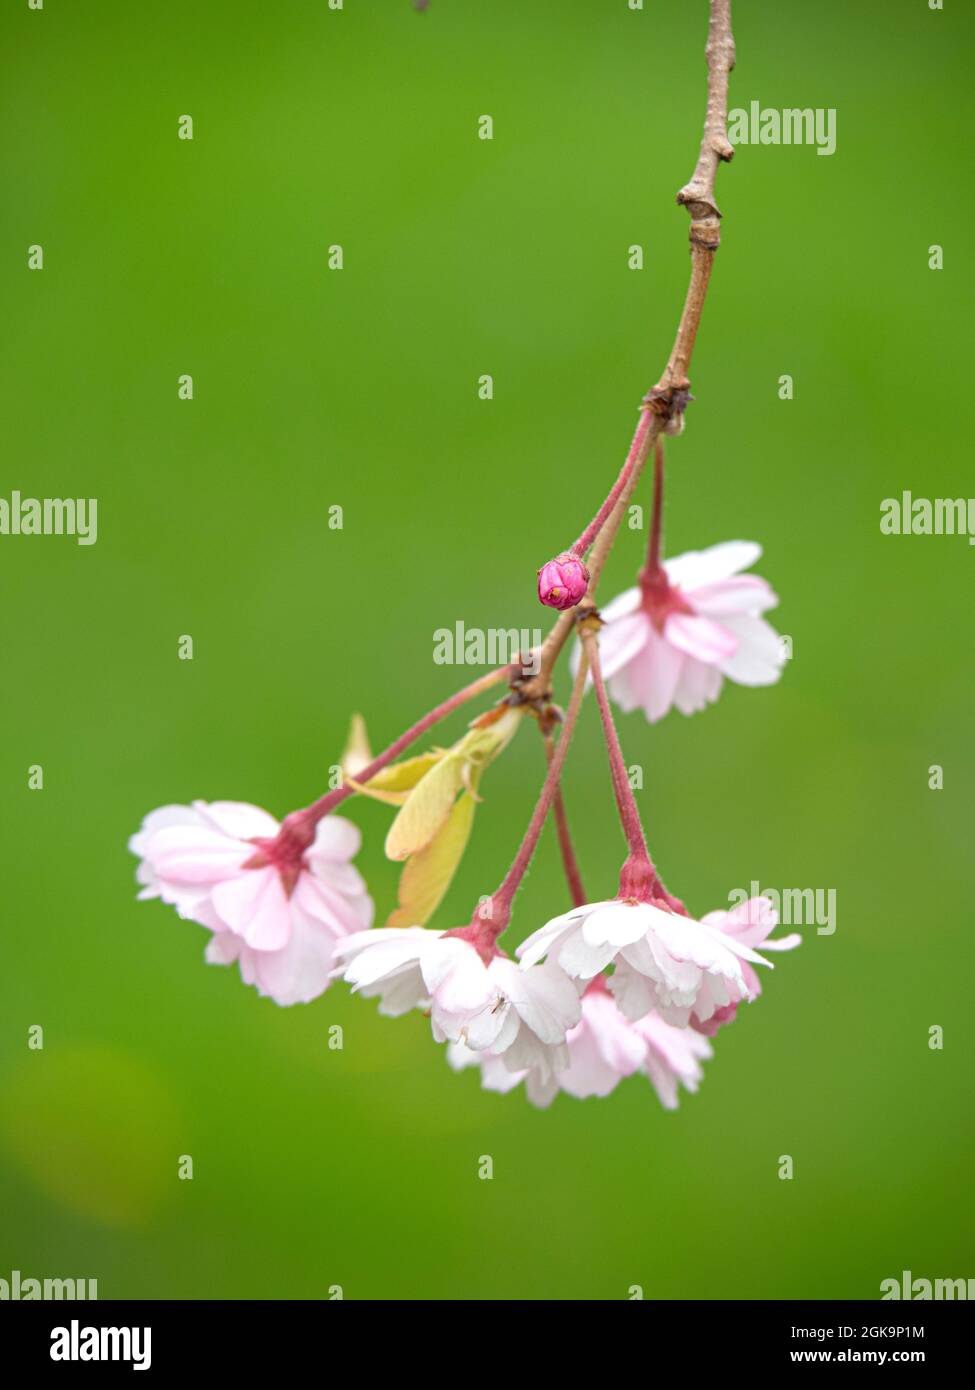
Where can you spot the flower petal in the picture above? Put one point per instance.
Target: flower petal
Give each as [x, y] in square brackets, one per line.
[195, 854]
[699, 685]
[698, 567]
[543, 997]
[633, 991]
[301, 970]
[700, 638]
[255, 906]
[162, 818]
[582, 960]
[746, 593]
[534, 947]
[455, 975]
[619, 923]
[336, 839]
[238, 819]
[650, 679]
[759, 657]
[622, 605]
[620, 642]
[368, 957]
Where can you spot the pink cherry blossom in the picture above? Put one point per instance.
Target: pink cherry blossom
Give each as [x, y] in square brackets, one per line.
[486, 1004]
[663, 961]
[278, 911]
[672, 639]
[603, 1048]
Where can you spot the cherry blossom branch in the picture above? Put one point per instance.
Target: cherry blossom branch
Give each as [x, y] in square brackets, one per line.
[662, 409]
[539, 686]
[298, 829]
[698, 197]
[599, 520]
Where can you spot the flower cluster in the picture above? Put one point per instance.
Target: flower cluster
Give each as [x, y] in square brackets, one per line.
[608, 989]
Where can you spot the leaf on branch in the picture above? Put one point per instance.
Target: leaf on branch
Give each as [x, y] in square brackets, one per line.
[426, 808]
[428, 805]
[404, 776]
[394, 783]
[377, 794]
[428, 874]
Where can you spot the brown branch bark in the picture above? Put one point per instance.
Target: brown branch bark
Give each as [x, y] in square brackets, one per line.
[698, 197]
[662, 409]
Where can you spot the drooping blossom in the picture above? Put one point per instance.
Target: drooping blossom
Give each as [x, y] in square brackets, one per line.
[603, 1048]
[563, 582]
[276, 909]
[663, 961]
[673, 638]
[522, 1013]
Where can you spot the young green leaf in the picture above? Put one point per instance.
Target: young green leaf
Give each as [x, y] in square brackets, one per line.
[427, 807]
[428, 874]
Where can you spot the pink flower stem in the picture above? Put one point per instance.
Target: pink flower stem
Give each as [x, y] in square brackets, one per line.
[298, 829]
[638, 878]
[569, 863]
[653, 568]
[491, 918]
[634, 457]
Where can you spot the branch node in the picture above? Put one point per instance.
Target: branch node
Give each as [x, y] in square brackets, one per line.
[706, 231]
[669, 404]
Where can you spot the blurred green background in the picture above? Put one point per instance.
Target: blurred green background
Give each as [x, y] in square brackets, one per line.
[316, 388]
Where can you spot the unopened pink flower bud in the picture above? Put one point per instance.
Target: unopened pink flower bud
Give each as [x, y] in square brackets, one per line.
[563, 582]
